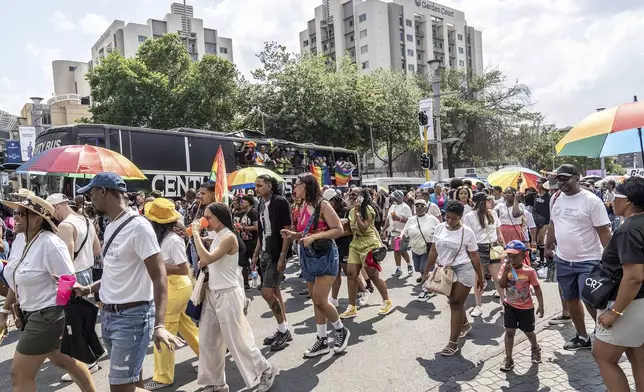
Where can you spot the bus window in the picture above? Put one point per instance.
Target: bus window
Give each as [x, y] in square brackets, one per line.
[158, 151]
[91, 136]
[203, 151]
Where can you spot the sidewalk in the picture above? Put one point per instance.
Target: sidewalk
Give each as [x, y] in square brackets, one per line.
[560, 370]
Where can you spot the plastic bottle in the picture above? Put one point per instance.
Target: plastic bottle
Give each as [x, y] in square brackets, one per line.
[254, 275]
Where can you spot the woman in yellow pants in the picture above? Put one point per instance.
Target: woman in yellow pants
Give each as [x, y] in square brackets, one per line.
[170, 233]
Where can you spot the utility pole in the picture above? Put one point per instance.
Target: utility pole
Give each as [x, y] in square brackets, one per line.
[434, 66]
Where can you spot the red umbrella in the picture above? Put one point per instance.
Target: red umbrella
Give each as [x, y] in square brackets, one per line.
[81, 161]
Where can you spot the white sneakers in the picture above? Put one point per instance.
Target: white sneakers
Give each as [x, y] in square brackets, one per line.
[476, 312]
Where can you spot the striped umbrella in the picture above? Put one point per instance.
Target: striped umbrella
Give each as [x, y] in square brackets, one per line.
[509, 176]
[81, 162]
[606, 133]
[245, 178]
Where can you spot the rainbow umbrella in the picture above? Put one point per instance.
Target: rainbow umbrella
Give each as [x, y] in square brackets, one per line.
[509, 176]
[81, 162]
[245, 178]
[606, 133]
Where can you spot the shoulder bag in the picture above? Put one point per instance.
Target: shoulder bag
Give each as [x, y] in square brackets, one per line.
[315, 260]
[323, 245]
[497, 252]
[84, 240]
[442, 278]
[600, 287]
[428, 245]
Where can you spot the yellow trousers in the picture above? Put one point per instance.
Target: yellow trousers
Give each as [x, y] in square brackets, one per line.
[176, 321]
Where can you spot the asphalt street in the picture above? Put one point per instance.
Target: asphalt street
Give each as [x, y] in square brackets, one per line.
[397, 352]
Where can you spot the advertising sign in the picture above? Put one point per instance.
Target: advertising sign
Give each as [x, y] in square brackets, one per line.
[27, 142]
[13, 154]
[426, 105]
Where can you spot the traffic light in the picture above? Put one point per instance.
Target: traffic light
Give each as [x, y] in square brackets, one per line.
[426, 161]
[422, 119]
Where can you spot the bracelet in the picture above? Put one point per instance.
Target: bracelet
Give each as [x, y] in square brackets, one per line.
[5, 311]
[159, 327]
[616, 312]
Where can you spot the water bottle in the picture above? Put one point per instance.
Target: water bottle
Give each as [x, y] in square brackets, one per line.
[254, 275]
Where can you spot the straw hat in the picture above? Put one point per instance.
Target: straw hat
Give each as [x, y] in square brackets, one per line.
[161, 210]
[36, 205]
[23, 192]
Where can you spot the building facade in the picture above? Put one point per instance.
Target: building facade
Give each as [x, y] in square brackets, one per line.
[69, 78]
[126, 38]
[398, 34]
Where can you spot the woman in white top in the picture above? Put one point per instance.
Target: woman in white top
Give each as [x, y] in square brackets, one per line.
[420, 230]
[223, 324]
[464, 195]
[37, 258]
[455, 246]
[486, 226]
[166, 223]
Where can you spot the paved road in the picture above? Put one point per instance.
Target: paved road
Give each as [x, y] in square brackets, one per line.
[398, 352]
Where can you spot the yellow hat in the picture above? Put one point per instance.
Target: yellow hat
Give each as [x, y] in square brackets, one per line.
[161, 210]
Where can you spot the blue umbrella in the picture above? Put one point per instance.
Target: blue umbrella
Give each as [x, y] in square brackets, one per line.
[428, 184]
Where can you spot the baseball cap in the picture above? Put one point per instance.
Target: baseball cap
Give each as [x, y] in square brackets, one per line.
[421, 202]
[106, 180]
[567, 170]
[515, 247]
[481, 196]
[329, 194]
[56, 198]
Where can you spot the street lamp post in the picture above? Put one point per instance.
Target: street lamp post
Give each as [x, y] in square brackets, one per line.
[434, 66]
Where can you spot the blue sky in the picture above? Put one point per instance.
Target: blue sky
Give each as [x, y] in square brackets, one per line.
[576, 55]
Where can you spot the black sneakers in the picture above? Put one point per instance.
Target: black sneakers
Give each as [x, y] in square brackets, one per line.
[536, 355]
[320, 347]
[270, 339]
[508, 365]
[340, 340]
[578, 343]
[281, 340]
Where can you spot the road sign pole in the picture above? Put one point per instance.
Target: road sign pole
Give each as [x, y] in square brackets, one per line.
[426, 150]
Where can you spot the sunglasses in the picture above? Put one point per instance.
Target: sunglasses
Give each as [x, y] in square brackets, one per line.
[20, 214]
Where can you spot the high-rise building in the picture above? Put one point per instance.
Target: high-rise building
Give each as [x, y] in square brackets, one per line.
[69, 78]
[126, 38]
[398, 34]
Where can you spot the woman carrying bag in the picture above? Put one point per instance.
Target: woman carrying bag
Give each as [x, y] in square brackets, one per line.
[486, 226]
[455, 252]
[170, 233]
[37, 257]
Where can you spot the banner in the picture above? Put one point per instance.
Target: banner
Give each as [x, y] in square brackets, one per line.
[321, 173]
[13, 153]
[27, 142]
[427, 105]
[342, 175]
[219, 177]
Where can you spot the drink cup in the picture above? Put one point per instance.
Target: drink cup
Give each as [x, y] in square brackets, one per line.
[65, 286]
[203, 222]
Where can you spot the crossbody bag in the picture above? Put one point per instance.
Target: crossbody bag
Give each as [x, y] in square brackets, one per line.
[441, 279]
[84, 240]
[428, 245]
[497, 252]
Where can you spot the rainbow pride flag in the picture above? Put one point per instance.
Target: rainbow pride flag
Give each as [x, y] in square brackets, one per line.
[219, 177]
[321, 173]
[342, 175]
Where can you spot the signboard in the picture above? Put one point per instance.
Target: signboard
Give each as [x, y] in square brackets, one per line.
[13, 153]
[427, 105]
[600, 173]
[27, 142]
[636, 172]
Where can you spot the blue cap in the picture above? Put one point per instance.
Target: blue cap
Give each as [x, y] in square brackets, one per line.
[515, 246]
[106, 180]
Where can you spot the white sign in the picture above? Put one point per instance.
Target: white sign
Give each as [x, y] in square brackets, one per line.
[27, 142]
[636, 173]
[427, 105]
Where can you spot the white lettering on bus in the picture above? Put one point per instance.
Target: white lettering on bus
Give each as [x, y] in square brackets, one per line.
[176, 186]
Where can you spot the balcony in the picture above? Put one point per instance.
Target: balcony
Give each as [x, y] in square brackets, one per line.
[71, 98]
[420, 33]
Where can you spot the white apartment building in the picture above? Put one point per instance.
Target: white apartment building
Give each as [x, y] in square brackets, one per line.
[398, 34]
[126, 38]
[69, 78]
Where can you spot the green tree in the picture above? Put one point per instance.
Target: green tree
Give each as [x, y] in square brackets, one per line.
[162, 88]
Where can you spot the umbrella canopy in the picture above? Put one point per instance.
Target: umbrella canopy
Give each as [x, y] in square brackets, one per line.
[509, 177]
[82, 162]
[606, 133]
[428, 184]
[245, 178]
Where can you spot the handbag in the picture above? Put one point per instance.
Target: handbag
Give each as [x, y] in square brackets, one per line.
[322, 245]
[315, 260]
[497, 252]
[199, 289]
[600, 287]
[442, 278]
[428, 245]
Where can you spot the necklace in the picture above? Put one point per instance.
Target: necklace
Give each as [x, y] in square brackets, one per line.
[120, 215]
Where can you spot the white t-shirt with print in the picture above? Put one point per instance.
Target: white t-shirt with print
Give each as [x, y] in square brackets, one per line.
[428, 224]
[401, 210]
[125, 278]
[47, 256]
[453, 246]
[483, 236]
[173, 249]
[575, 219]
[505, 214]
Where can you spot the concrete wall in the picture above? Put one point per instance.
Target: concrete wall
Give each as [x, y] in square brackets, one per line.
[69, 77]
[223, 42]
[131, 33]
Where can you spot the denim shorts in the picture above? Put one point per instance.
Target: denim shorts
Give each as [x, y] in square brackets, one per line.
[127, 335]
[571, 276]
[84, 277]
[319, 266]
[420, 261]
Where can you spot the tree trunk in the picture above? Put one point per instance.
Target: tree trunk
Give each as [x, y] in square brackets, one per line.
[390, 158]
[450, 160]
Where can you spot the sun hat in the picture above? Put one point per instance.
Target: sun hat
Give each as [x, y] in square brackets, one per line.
[36, 205]
[57, 198]
[515, 247]
[161, 210]
[24, 192]
[329, 194]
[107, 180]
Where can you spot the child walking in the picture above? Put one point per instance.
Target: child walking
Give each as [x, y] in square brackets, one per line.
[516, 278]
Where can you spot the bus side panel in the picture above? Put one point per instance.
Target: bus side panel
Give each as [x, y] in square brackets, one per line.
[204, 150]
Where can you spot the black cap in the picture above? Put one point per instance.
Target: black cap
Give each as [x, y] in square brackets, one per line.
[542, 180]
[567, 170]
[480, 196]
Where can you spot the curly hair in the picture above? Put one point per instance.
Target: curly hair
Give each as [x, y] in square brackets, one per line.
[455, 207]
[163, 229]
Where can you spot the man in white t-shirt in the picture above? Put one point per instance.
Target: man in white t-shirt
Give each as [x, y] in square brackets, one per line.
[580, 227]
[133, 288]
[397, 215]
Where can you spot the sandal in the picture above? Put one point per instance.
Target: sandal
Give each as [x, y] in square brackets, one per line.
[448, 351]
[465, 331]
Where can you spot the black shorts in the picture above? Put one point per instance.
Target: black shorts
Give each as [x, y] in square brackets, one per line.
[522, 319]
[271, 278]
[97, 274]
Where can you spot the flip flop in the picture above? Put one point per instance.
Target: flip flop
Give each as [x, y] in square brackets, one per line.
[448, 351]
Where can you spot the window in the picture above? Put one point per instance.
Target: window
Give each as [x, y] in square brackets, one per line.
[410, 38]
[440, 45]
[362, 18]
[364, 49]
[365, 65]
[72, 68]
[306, 42]
[410, 52]
[461, 63]
[351, 22]
[402, 36]
[363, 33]
[223, 50]
[410, 67]
[325, 47]
[409, 23]
[419, 56]
[352, 38]
[142, 38]
[460, 37]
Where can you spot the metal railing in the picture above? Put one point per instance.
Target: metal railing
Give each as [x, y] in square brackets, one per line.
[64, 97]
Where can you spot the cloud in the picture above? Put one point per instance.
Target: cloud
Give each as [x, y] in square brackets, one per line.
[94, 24]
[62, 21]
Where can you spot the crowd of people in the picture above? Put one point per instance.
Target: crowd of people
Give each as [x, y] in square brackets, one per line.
[133, 252]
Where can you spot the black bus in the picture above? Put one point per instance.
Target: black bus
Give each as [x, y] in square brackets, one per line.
[178, 159]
